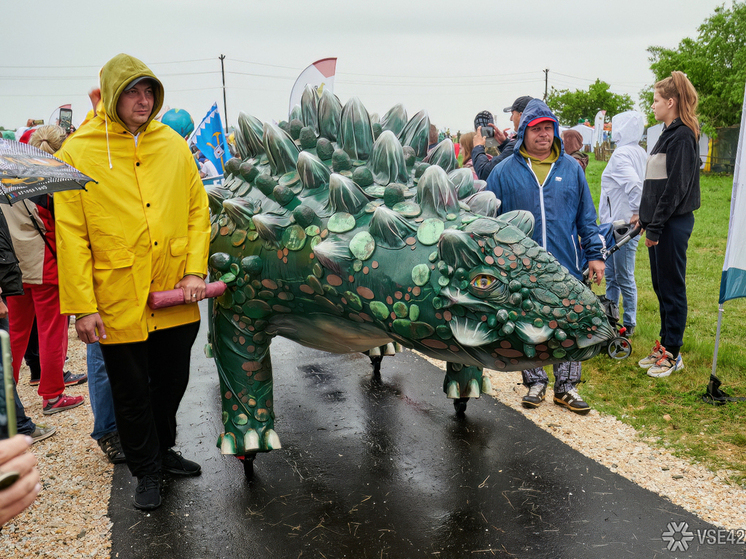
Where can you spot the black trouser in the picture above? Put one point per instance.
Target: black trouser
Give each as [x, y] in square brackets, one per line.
[668, 272]
[148, 380]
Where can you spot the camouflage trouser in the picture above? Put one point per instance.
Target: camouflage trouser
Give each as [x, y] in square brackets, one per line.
[566, 376]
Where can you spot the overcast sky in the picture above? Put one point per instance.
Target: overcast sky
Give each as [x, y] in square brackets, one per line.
[451, 58]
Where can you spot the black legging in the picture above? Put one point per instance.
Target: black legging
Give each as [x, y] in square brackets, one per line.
[148, 380]
[668, 272]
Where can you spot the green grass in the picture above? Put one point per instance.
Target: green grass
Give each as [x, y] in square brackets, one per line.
[671, 409]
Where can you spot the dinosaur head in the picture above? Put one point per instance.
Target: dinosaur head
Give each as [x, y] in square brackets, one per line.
[501, 293]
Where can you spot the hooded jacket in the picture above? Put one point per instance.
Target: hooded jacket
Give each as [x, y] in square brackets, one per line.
[671, 184]
[621, 181]
[141, 228]
[562, 206]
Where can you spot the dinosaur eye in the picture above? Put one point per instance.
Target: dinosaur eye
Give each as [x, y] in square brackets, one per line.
[483, 281]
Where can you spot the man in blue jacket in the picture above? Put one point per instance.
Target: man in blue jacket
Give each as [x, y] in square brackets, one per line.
[539, 177]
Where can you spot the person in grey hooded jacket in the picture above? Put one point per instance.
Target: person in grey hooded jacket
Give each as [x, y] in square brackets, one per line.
[541, 178]
[621, 188]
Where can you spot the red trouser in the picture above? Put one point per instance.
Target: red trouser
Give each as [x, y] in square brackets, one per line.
[42, 301]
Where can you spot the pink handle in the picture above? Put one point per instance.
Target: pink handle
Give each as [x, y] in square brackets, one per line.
[173, 297]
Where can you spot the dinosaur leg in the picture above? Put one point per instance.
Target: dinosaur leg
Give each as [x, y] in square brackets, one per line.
[245, 369]
[465, 381]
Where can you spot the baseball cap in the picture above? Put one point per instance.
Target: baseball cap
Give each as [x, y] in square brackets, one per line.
[541, 119]
[134, 82]
[518, 105]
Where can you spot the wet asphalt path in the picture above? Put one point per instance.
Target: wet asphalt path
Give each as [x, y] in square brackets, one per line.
[387, 470]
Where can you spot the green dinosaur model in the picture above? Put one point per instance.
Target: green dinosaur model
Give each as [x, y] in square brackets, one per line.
[344, 235]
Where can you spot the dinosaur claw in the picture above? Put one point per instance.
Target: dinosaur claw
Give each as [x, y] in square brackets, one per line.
[228, 443]
[271, 440]
[453, 392]
[251, 441]
[472, 389]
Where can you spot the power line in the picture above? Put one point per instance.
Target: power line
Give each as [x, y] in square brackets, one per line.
[59, 67]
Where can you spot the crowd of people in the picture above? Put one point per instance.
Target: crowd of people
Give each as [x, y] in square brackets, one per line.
[95, 255]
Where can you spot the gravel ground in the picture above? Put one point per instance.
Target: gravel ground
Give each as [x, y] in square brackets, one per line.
[69, 518]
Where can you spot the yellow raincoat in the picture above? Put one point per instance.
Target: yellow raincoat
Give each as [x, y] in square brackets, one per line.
[142, 228]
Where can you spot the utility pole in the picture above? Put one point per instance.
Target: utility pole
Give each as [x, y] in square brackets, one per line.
[225, 107]
[546, 84]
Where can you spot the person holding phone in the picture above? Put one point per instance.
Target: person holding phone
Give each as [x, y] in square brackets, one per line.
[483, 165]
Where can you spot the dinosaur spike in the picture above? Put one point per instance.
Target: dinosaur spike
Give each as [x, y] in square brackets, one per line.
[270, 227]
[483, 203]
[252, 131]
[310, 108]
[215, 197]
[436, 194]
[463, 181]
[345, 195]
[395, 119]
[281, 150]
[387, 160]
[389, 228]
[443, 155]
[297, 112]
[459, 249]
[241, 210]
[313, 173]
[333, 255]
[416, 133]
[355, 132]
[484, 226]
[330, 115]
[521, 219]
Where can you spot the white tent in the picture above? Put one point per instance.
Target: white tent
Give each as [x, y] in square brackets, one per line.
[586, 132]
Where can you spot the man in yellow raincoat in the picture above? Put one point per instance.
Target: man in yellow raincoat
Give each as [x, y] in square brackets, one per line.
[143, 227]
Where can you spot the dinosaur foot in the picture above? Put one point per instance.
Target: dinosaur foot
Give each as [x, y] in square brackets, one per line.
[249, 443]
[464, 381]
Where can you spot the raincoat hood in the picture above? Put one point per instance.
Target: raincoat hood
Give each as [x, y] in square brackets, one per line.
[116, 74]
[536, 109]
[627, 128]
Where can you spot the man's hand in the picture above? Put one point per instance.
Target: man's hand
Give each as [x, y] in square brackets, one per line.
[649, 243]
[596, 269]
[14, 458]
[88, 326]
[634, 220]
[193, 288]
[500, 136]
[478, 138]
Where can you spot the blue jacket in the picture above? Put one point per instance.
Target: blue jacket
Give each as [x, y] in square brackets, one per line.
[562, 207]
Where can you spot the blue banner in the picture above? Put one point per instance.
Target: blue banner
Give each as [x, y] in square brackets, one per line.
[210, 139]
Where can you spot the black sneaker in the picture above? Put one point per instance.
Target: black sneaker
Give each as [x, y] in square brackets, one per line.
[73, 380]
[536, 393]
[173, 462]
[572, 401]
[148, 493]
[112, 447]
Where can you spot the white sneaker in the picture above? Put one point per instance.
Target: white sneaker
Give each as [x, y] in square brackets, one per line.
[666, 365]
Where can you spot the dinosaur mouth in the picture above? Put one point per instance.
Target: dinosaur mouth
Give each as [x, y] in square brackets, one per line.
[472, 333]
